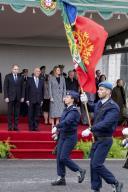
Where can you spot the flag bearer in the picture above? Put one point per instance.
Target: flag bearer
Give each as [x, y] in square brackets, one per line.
[106, 115]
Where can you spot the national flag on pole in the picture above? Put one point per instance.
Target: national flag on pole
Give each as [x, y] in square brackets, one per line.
[86, 41]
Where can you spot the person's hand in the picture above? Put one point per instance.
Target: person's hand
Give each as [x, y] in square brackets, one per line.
[126, 146]
[41, 104]
[125, 131]
[28, 103]
[7, 100]
[51, 99]
[63, 99]
[124, 142]
[55, 137]
[86, 133]
[83, 98]
[54, 130]
[22, 100]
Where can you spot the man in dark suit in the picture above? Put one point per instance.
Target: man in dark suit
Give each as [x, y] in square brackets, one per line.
[34, 98]
[71, 82]
[0, 83]
[42, 72]
[13, 95]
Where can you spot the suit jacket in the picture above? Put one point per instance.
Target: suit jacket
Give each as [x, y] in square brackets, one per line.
[72, 85]
[13, 90]
[0, 83]
[34, 94]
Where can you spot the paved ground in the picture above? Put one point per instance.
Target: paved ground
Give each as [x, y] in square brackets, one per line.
[36, 176]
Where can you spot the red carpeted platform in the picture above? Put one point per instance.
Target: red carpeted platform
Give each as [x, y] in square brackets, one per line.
[38, 144]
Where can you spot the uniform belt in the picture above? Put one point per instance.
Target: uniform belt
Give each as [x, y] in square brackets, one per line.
[70, 133]
[101, 138]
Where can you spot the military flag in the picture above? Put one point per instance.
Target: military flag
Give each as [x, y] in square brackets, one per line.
[86, 40]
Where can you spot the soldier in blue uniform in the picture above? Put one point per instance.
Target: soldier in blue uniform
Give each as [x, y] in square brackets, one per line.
[67, 129]
[106, 115]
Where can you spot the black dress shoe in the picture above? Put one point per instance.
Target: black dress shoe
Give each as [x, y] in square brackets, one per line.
[118, 187]
[96, 191]
[59, 182]
[81, 175]
[9, 129]
[16, 129]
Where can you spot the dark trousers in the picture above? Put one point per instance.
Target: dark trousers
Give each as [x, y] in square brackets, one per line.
[98, 155]
[13, 108]
[24, 109]
[34, 116]
[64, 148]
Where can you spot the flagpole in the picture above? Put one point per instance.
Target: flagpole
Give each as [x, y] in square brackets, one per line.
[88, 117]
[86, 109]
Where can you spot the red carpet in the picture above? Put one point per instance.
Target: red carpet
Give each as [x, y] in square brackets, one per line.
[39, 144]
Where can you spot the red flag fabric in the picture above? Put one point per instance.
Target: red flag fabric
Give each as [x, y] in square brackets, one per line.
[90, 38]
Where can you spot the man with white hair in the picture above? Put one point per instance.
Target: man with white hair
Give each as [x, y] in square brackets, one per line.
[34, 98]
[106, 115]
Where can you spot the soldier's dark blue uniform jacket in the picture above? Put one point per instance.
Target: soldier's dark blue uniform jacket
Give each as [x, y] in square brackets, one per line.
[67, 140]
[69, 121]
[106, 118]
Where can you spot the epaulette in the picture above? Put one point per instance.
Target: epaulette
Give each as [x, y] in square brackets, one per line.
[112, 102]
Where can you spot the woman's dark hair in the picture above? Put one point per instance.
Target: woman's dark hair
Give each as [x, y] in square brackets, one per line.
[118, 80]
[76, 101]
[101, 76]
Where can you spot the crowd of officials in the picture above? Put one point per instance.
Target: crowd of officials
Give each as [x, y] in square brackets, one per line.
[42, 94]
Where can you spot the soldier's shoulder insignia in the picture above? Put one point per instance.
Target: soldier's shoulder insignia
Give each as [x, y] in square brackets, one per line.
[112, 102]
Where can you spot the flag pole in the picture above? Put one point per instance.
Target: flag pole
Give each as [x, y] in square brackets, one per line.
[88, 117]
[86, 110]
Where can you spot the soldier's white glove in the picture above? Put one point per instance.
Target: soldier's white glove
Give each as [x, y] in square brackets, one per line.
[125, 143]
[54, 130]
[55, 137]
[86, 133]
[125, 131]
[126, 146]
[84, 98]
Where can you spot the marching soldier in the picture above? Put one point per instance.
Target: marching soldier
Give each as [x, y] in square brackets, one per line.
[67, 129]
[106, 115]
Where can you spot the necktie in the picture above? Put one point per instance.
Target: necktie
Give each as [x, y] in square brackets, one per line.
[37, 82]
[15, 78]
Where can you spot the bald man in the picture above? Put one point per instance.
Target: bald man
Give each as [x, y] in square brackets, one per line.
[34, 98]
